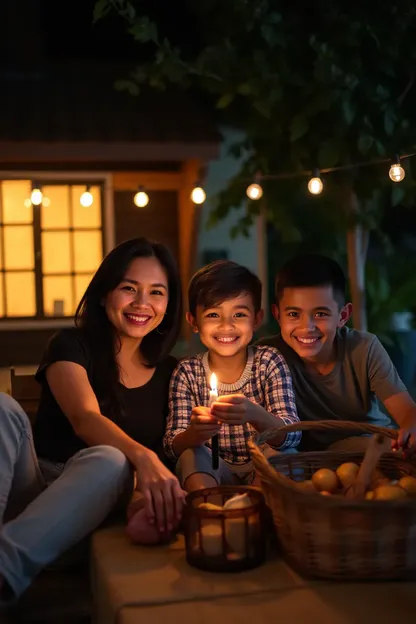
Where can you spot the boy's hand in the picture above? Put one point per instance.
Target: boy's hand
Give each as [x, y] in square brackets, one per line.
[235, 409]
[202, 425]
[407, 438]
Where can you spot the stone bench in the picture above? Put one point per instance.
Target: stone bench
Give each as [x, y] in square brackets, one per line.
[155, 585]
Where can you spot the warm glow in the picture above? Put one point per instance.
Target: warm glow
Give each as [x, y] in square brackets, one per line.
[36, 197]
[18, 247]
[16, 204]
[315, 186]
[213, 383]
[56, 253]
[198, 195]
[396, 172]
[254, 191]
[86, 200]
[20, 294]
[141, 199]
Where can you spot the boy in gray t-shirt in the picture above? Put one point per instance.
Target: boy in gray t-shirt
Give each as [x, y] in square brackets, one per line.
[338, 373]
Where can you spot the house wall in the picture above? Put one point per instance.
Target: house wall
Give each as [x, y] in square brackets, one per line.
[249, 251]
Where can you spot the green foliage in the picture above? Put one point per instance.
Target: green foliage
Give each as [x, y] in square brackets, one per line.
[323, 88]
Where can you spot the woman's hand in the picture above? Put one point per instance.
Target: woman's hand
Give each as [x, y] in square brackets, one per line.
[162, 493]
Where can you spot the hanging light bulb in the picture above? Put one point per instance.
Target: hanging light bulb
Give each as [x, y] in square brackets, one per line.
[141, 199]
[36, 195]
[315, 184]
[396, 172]
[254, 191]
[86, 200]
[198, 194]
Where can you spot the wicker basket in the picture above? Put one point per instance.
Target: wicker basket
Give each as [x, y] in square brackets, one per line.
[334, 537]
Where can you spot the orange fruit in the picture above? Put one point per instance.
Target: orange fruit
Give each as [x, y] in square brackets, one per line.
[325, 480]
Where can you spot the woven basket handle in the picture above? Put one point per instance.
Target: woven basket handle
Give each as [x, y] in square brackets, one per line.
[327, 425]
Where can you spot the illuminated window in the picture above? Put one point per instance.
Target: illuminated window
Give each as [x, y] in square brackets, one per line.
[48, 253]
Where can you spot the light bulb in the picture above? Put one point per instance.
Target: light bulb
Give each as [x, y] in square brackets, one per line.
[315, 185]
[198, 195]
[36, 197]
[141, 199]
[254, 191]
[86, 200]
[397, 172]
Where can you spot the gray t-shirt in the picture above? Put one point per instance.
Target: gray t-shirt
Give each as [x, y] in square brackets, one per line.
[362, 374]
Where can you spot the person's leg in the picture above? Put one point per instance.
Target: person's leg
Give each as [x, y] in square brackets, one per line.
[20, 477]
[354, 444]
[63, 514]
[195, 471]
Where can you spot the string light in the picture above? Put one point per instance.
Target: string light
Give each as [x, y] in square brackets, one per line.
[396, 172]
[198, 194]
[315, 184]
[86, 200]
[36, 195]
[141, 199]
[254, 191]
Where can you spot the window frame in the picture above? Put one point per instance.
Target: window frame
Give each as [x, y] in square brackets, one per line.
[44, 178]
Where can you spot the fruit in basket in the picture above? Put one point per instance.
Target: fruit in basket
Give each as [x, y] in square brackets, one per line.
[325, 480]
[408, 484]
[307, 485]
[389, 492]
[347, 473]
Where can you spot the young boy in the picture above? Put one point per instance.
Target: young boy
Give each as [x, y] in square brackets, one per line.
[254, 383]
[338, 373]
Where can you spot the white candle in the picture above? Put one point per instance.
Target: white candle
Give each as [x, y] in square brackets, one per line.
[213, 393]
[211, 538]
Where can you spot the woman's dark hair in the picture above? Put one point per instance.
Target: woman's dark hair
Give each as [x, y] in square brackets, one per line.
[222, 280]
[309, 270]
[98, 331]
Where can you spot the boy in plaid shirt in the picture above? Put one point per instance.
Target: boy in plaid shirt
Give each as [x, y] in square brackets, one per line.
[254, 382]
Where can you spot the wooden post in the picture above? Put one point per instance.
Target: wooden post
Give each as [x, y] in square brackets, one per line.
[357, 245]
[189, 215]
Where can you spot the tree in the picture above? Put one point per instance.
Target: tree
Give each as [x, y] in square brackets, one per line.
[311, 85]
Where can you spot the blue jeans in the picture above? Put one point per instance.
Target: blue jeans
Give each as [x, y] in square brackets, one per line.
[46, 508]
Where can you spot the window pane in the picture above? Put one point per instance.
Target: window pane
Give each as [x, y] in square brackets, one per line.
[81, 283]
[1, 296]
[86, 217]
[1, 245]
[14, 193]
[56, 213]
[57, 296]
[20, 294]
[18, 247]
[88, 250]
[56, 252]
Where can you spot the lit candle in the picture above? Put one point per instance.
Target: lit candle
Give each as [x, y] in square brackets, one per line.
[213, 393]
[213, 396]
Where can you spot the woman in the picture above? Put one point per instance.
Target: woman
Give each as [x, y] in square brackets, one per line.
[102, 411]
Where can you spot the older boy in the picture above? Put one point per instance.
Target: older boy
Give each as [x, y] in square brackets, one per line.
[255, 386]
[338, 373]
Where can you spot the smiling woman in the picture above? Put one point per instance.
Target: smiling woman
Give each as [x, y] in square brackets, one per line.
[102, 411]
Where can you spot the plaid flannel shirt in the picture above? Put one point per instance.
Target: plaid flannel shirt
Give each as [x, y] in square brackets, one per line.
[268, 384]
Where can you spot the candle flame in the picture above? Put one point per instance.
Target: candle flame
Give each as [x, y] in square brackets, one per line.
[213, 382]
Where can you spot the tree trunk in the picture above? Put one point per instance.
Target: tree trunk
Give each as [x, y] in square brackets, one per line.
[357, 245]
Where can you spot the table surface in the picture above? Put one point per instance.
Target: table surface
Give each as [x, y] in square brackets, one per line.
[158, 583]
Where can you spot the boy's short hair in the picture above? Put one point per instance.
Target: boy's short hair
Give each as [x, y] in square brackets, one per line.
[309, 270]
[222, 280]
